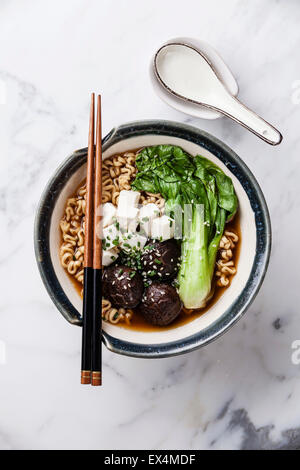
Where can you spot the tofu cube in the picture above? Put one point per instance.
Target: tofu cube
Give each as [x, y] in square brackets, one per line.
[132, 242]
[111, 237]
[128, 219]
[147, 214]
[128, 199]
[109, 256]
[162, 228]
[108, 214]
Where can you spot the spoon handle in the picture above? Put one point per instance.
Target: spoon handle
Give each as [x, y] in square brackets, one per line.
[237, 111]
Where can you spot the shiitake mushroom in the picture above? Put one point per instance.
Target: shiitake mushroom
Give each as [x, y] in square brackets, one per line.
[123, 286]
[160, 260]
[160, 304]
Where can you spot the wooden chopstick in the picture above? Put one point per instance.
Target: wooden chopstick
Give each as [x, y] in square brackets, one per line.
[97, 258]
[88, 257]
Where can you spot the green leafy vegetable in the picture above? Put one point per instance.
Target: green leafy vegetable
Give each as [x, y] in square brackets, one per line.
[206, 196]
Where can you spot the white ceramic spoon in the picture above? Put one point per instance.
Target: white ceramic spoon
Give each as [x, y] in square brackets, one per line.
[186, 72]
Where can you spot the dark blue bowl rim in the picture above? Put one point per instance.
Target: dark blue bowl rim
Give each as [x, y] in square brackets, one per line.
[233, 163]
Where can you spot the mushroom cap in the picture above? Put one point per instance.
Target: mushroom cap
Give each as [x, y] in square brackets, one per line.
[123, 286]
[160, 304]
[162, 258]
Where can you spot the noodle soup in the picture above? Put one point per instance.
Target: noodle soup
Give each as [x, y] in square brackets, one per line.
[121, 175]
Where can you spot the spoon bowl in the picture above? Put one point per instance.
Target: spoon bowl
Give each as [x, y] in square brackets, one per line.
[187, 107]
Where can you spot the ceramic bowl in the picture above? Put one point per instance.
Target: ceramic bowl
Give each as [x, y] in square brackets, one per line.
[254, 252]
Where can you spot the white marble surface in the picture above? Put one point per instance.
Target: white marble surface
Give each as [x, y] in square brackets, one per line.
[241, 391]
